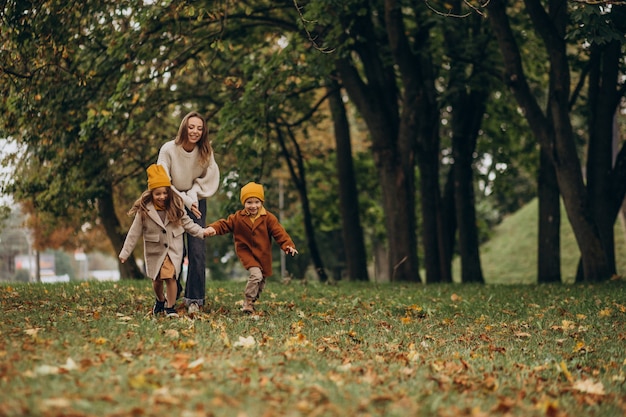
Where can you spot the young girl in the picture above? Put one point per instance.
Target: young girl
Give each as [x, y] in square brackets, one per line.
[195, 176]
[252, 229]
[161, 219]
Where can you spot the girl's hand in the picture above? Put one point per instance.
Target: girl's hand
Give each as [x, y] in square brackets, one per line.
[209, 231]
[290, 251]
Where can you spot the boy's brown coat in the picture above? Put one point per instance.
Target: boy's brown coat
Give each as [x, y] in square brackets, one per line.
[253, 243]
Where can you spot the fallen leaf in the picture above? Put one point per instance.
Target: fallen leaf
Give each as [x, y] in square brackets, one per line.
[589, 386]
[298, 340]
[56, 403]
[245, 342]
[196, 365]
[563, 368]
[172, 333]
[47, 370]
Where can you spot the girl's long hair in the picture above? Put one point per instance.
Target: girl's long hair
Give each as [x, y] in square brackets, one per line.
[204, 145]
[174, 206]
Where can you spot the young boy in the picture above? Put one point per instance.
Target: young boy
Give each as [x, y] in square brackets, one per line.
[252, 228]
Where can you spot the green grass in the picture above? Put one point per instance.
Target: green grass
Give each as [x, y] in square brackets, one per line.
[92, 349]
[510, 255]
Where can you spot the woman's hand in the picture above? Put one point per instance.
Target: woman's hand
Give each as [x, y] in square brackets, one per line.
[195, 210]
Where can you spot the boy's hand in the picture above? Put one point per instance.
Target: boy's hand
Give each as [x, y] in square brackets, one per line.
[209, 231]
[290, 251]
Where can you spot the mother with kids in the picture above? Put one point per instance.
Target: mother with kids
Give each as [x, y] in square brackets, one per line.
[170, 216]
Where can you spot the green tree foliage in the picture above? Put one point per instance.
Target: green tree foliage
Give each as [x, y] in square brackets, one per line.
[91, 90]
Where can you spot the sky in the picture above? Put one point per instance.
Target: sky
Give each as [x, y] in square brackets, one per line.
[7, 147]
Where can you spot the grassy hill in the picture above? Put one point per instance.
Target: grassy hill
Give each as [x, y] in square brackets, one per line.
[510, 256]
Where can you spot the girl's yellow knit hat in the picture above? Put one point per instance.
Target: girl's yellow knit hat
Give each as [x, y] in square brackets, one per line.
[252, 189]
[157, 177]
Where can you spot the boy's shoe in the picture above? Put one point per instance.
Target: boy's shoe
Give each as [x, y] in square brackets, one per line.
[248, 306]
[159, 307]
[171, 312]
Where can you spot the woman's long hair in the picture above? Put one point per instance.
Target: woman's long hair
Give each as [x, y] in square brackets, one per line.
[174, 206]
[204, 145]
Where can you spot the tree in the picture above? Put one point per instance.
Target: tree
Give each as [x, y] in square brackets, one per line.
[553, 128]
[352, 233]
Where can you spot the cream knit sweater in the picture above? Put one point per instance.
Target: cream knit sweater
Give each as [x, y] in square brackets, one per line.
[190, 179]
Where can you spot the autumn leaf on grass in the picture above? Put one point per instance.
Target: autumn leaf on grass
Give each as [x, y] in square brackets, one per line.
[56, 403]
[225, 339]
[196, 365]
[185, 344]
[164, 396]
[588, 386]
[69, 365]
[245, 342]
[297, 340]
[182, 363]
[122, 317]
[33, 332]
[172, 333]
[582, 348]
[297, 326]
[140, 381]
[414, 311]
[563, 368]
[548, 407]
[565, 325]
[412, 355]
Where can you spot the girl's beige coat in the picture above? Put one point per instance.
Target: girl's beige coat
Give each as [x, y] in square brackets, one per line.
[159, 239]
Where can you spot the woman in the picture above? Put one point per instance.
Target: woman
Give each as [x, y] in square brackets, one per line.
[190, 163]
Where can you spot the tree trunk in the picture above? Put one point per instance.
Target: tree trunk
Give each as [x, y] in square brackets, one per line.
[466, 124]
[603, 102]
[299, 178]
[418, 134]
[554, 132]
[378, 106]
[112, 226]
[352, 233]
[448, 212]
[437, 269]
[467, 44]
[549, 240]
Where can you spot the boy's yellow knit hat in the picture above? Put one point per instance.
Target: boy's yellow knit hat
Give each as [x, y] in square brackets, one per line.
[252, 189]
[157, 177]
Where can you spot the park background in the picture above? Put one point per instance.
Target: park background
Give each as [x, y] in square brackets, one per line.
[393, 139]
[402, 143]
